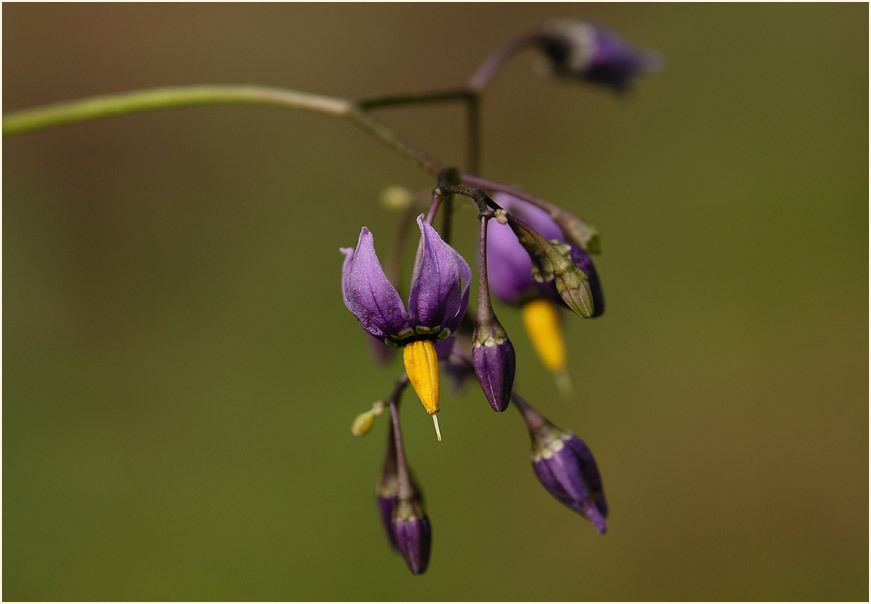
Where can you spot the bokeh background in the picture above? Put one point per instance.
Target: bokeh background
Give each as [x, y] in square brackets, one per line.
[180, 372]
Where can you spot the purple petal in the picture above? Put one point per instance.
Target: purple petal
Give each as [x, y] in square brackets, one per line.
[444, 348]
[532, 215]
[367, 292]
[439, 293]
[509, 269]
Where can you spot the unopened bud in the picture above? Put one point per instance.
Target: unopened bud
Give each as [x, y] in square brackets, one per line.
[552, 265]
[565, 467]
[362, 424]
[396, 197]
[413, 533]
[494, 362]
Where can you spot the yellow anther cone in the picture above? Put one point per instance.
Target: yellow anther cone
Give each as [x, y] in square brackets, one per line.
[542, 322]
[422, 368]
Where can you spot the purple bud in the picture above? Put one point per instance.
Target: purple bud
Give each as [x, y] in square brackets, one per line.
[493, 358]
[565, 466]
[595, 54]
[413, 533]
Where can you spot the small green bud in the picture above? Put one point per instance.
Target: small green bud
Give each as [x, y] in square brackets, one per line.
[396, 198]
[363, 423]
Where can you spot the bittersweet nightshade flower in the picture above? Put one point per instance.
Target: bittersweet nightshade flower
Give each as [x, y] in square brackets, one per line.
[592, 53]
[437, 302]
[565, 466]
[516, 279]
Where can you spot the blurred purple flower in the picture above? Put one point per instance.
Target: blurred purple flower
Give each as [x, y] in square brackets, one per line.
[592, 53]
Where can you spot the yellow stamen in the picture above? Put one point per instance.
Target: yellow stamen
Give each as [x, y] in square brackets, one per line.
[542, 322]
[422, 368]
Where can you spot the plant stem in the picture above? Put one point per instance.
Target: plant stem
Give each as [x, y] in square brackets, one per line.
[493, 63]
[165, 98]
[97, 107]
[393, 140]
[415, 98]
[403, 478]
[483, 183]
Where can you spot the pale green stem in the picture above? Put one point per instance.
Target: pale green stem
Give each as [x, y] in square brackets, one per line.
[98, 107]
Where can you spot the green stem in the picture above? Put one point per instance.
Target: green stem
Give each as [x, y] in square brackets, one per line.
[108, 105]
[152, 99]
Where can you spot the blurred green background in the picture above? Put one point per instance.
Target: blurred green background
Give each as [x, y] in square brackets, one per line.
[180, 372]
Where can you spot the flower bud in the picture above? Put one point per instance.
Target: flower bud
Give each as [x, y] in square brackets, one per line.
[565, 467]
[413, 533]
[362, 424]
[552, 265]
[493, 358]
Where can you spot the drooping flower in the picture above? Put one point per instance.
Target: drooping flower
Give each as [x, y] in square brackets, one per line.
[512, 270]
[517, 280]
[437, 302]
[565, 466]
[592, 53]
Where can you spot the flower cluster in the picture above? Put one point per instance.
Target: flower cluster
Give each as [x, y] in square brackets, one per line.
[532, 255]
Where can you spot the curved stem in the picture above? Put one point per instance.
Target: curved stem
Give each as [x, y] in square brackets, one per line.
[151, 99]
[492, 64]
[485, 308]
[483, 183]
[393, 140]
[534, 419]
[97, 107]
[403, 478]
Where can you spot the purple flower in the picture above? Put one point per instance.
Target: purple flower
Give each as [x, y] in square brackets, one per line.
[565, 466]
[515, 278]
[592, 53]
[439, 290]
[509, 267]
[437, 302]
